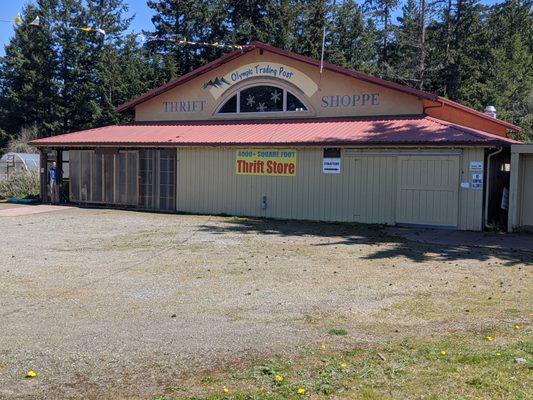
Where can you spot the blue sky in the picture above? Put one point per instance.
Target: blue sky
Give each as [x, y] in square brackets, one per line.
[138, 8]
[10, 9]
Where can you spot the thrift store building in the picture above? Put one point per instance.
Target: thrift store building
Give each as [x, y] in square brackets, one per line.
[262, 132]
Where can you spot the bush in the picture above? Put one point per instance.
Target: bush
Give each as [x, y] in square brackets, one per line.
[19, 144]
[21, 183]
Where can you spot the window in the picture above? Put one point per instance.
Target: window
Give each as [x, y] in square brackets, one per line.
[146, 183]
[262, 98]
[167, 179]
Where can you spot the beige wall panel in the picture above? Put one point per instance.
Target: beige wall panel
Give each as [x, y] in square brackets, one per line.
[199, 103]
[365, 191]
[207, 183]
[428, 190]
[470, 200]
[526, 202]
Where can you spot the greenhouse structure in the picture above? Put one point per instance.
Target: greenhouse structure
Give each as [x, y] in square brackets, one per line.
[16, 161]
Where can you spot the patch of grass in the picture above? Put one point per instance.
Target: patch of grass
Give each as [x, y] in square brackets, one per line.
[338, 332]
[513, 312]
[469, 369]
[210, 380]
[172, 389]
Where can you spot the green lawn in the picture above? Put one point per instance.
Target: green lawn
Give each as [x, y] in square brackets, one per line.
[470, 365]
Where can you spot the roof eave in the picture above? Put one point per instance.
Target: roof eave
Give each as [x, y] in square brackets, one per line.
[340, 143]
[459, 106]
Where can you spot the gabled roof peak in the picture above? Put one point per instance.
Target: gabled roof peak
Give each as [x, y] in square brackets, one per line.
[308, 60]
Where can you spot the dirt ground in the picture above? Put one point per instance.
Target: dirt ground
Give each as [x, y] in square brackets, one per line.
[117, 304]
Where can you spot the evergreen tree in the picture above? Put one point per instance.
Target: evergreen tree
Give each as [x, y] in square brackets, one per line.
[510, 79]
[249, 20]
[382, 11]
[85, 58]
[27, 83]
[186, 20]
[353, 42]
[282, 23]
[311, 28]
[103, 56]
[405, 59]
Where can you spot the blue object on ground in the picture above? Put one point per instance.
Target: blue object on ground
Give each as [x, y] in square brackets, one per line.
[17, 200]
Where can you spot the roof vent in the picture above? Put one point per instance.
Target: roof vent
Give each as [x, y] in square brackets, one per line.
[490, 111]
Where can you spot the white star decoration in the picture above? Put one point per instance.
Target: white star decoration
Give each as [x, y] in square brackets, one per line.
[250, 100]
[261, 107]
[275, 96]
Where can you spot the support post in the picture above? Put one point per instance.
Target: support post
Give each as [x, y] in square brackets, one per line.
[43, 174]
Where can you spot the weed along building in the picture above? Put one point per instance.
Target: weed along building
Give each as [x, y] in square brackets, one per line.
[263, 132]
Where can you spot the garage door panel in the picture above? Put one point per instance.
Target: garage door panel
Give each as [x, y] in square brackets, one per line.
[428, 190]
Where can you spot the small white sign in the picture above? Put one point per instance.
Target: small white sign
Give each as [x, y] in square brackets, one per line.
[331, 165]
[465, 185]
[476, 165]
[477, 181]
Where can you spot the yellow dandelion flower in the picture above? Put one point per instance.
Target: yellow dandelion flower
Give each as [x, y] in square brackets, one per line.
[225, 389]
[517, 327]
[300, 391]
[343, 365]
[323, 346]
[31, 374]
[442, 353]
[489, 338]
[278, 378]
[498, 354]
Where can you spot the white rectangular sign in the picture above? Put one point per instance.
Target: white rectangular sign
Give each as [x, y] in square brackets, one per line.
[477, 181]
[476, 165]
[331, 165]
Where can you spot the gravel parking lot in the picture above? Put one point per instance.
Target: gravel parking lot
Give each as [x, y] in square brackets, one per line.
[116, 304]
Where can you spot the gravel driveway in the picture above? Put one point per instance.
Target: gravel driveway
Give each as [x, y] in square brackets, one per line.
[116, 304]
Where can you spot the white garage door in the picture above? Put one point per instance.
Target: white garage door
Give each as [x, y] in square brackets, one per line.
[428, 189]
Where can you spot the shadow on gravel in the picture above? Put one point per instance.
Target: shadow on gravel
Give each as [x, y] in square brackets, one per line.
[353, 234]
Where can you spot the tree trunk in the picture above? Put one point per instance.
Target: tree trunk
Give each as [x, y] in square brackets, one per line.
[422, 42]
[448, 40]
[385, 32]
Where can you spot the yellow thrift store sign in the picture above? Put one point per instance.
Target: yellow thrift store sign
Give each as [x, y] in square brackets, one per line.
[269, 162]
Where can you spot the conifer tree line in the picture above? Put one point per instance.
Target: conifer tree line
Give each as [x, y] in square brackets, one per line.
[55, 79]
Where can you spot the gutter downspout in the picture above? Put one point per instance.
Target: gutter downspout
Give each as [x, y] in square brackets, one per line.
[487, 185]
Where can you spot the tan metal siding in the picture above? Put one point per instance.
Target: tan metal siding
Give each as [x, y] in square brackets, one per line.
[365, 191]
[526, 211]
[518, 201]
[428, 190]
[207, 183]
[470, 200]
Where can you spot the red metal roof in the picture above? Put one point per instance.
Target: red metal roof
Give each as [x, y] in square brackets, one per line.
[327, 66]
[379, 131]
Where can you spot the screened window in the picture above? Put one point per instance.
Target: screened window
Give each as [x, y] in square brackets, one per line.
[126, 178]
[146, 187]
[167, 179]
[262, 98]
[96, 177]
